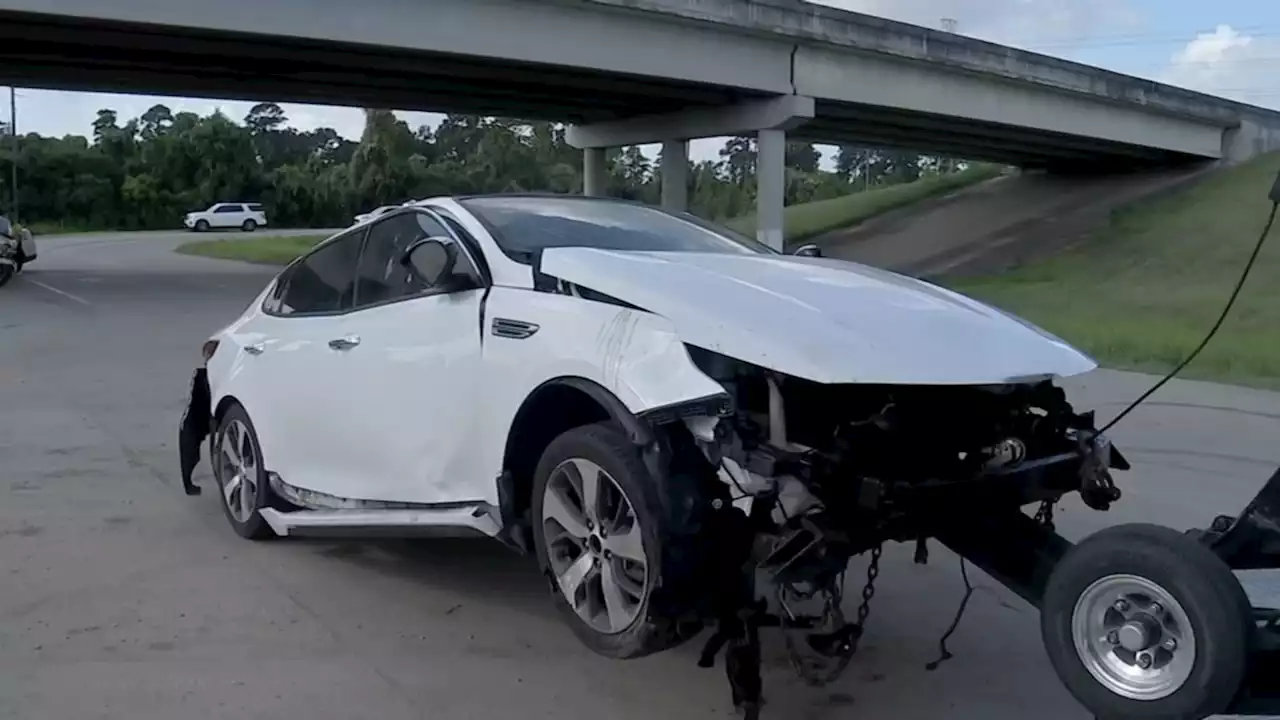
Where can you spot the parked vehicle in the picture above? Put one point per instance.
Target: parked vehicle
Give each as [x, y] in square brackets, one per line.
[373, 213]
[660, 410]
[246, 216]
[17, 249]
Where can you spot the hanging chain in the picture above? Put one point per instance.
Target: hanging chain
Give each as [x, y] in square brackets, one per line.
[818, 669]
[868, 592]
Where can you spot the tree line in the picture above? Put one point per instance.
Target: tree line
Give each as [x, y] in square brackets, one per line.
[147, 172]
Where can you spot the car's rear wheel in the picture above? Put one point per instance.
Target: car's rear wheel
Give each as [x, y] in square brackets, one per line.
[241, 475]
[1142, 621]
[599, 539]
[202, 225]
[249, 226]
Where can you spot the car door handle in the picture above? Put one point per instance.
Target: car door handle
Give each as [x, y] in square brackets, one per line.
[255, 349]
[344, 343]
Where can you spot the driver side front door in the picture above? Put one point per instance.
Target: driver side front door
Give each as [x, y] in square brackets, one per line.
[406, 364]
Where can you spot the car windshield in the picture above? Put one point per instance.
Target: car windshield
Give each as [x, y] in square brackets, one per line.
[523, 225]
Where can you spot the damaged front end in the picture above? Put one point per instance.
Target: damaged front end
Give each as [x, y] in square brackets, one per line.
[825, 472]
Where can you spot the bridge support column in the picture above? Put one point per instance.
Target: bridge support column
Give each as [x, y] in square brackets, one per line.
[675, 175]
[770, 186]
[768, 119]
[595, 177]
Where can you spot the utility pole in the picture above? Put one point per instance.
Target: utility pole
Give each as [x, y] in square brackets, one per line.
[13, 164]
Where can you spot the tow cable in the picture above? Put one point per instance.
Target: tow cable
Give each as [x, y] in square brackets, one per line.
[1044, 514]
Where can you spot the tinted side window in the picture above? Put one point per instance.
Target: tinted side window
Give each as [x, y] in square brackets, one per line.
[255, 207]
[382, 276]
[324, 281]
[227, 209]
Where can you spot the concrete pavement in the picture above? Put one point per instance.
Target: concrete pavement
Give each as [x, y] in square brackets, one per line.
[122, 598]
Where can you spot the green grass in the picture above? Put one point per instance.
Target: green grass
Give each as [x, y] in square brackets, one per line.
[58, 228]
[808, 220]
[1142, 294]
[268, 250]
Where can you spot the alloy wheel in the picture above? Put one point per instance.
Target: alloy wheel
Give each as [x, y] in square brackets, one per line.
[238, 465]
[594, 545]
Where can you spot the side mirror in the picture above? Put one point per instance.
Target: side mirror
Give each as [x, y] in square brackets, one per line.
[809, 250]
[432, 259]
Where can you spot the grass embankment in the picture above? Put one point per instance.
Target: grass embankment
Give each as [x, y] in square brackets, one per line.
[1142, 294]
[808, 220]
[267, 250]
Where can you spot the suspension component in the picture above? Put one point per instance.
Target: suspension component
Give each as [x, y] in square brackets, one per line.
[831, 642]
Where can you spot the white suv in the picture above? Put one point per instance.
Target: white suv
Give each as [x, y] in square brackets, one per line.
[246, 216]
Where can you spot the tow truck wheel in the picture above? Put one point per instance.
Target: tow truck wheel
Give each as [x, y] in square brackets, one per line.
[598, 536]
[1141, 621]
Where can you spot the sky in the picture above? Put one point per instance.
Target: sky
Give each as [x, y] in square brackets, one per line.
[1226, 47]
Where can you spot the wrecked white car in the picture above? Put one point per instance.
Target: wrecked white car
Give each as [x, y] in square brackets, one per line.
[664, 412]
[17, 249]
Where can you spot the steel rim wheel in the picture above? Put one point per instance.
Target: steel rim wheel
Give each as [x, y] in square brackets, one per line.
[238, 471]
[1133, 637]
[594, 545]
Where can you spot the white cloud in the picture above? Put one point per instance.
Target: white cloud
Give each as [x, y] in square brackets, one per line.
[1231, 64]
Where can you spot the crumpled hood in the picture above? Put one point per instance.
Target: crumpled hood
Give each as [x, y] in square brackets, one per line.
[826, 320]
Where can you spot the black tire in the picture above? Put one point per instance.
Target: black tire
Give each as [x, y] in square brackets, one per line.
[1214, 603]
[606, 446]
[252, 527]
[249, 226]
[202, 225]
[6, 274]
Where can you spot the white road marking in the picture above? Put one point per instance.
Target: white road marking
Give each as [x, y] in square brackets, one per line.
[53, 289]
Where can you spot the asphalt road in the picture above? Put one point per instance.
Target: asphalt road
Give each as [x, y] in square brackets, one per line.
[122, 598]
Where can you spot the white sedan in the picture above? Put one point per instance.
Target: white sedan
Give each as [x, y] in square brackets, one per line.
[660, 410]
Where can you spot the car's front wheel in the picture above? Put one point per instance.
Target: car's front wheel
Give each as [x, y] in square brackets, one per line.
[202, 225]
[242, 478]
[599, 539]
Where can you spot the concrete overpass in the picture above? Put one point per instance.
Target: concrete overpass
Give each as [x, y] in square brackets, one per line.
[638, 71]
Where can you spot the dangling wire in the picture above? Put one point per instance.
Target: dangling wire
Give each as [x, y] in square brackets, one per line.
[945, 654]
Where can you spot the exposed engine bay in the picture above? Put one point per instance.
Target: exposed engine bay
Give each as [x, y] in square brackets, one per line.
[826, 472]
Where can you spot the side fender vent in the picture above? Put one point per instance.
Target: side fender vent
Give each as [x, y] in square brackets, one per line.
[513, 329]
